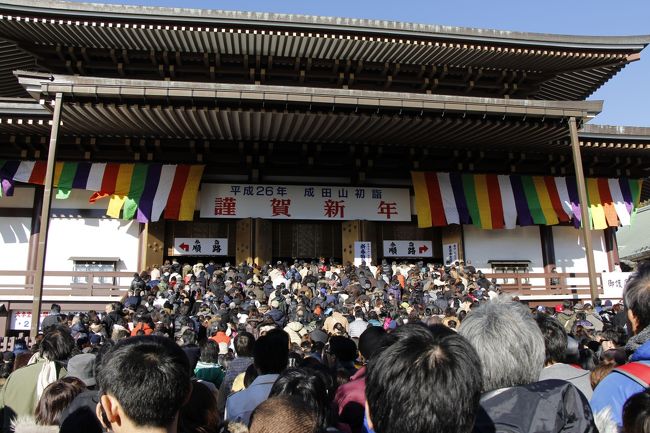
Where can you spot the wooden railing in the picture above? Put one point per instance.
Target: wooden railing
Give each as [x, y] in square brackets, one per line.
[7, 343]
[61, 283]
[535, 284]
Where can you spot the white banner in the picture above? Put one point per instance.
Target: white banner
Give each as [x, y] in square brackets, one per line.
[304, 202]
[22, 320]
[362, 253]
[450, 252]
[200, 246]
[408, 249]
[614, 283]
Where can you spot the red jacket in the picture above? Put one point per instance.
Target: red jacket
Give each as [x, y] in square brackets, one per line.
[221, 337]
[145, 327]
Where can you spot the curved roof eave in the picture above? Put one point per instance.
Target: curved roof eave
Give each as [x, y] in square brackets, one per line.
[42, 83]
[311, 23]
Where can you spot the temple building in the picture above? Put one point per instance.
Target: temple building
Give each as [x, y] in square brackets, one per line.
[233, 136]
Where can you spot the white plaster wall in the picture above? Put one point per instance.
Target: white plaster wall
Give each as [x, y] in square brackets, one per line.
[69, 236]
[74, 237]
[570, 251]
[14, 244]
[521, 243]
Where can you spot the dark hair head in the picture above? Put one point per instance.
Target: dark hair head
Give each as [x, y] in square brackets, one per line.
[250, 375]
[343, 348]
[188, 337]
[555, 338]
[271, 352]
[637, 295]
[57, 345]
[55, 308]
[283, 414]
[401, 377]
[210, 352]
[244, 344]
[200, 414]
[149, 376]
[56, 397]
[310, 387]
[636, 413]
[370, 340]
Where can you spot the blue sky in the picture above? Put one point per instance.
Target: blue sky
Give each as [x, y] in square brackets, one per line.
[626, 96]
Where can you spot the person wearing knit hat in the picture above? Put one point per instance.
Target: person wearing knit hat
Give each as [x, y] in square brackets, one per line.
[82, 366]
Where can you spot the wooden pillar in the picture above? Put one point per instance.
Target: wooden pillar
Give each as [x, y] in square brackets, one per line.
[453, 234]
[611, 245]
[582, 195]
[34, 231]
[350, 233]
[263, 241]
[45, 217]
[244, 241]
[5, 317]
[548, 247]
[153, 245]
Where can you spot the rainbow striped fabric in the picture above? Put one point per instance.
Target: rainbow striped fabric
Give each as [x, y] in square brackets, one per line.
[493, 201]
[141, 191]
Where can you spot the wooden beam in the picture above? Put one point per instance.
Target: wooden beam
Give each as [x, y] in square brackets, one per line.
[584, 210]
[45, 217]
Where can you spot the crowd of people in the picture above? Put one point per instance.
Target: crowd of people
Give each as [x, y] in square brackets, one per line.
[317, 347]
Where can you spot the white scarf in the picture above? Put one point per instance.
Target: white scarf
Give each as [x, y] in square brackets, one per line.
[46, 376]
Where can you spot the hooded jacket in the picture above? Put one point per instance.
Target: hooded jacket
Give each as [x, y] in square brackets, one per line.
[295, 330]
[567, 319]
[549, 406]
[614, 390]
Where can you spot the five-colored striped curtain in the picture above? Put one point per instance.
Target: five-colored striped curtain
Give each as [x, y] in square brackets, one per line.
[141, 191]
[493, 201]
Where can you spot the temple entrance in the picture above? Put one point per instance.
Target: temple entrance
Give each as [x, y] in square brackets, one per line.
[306, 239]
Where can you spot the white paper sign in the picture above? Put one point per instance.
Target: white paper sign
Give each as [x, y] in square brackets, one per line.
[362, 253]
[22, 320]
[408, 249]
[200, 246]
[305, 202]
[450, 252]
[614, 283]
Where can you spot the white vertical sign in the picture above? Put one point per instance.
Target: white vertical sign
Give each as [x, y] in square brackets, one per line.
[450, 252]
[362, 253]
